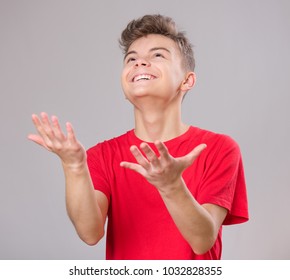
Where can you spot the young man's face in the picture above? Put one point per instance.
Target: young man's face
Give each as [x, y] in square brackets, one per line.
[152, 68]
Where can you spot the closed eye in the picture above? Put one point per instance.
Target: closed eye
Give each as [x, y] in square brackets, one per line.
[158, 55]
[130, 59]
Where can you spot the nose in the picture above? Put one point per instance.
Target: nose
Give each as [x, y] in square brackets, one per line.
[142, 62]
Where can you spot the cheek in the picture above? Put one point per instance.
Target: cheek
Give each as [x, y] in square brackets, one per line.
[178, 77]
[123, 78]
[123, 85]
[173, 79]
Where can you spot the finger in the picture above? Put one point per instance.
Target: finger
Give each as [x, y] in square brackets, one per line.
[133, 166]
[56, 128]
[46, 126]
[44, 118]
[163, 151]
[70, 132]
[35, 120]
[139, 157]
[37, 123]
[151, 156]
[40, 129]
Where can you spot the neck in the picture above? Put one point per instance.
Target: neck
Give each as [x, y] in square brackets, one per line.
[163, 125]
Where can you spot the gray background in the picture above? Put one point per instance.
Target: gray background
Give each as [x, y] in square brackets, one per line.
[62, 57]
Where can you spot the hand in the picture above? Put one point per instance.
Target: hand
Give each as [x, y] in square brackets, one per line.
[51, 137]
[163, 171]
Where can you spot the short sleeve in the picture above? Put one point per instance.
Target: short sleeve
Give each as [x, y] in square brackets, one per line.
[223, 181]
[96, 163]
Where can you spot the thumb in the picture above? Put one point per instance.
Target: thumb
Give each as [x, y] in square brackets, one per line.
[38, 140]
[191, 157]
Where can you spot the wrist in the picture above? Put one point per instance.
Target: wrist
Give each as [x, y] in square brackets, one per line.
[173, 189]
[76, 167]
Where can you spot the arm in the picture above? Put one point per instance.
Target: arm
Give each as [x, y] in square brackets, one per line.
[86, 207]
[199, 224]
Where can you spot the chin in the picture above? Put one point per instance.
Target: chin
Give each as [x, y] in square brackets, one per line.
[138, 93]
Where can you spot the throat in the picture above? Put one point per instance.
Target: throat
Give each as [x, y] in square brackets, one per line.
[159, 126]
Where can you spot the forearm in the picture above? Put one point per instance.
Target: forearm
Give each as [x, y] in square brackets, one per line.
[86, 209]
[193, 220]
[82, 206]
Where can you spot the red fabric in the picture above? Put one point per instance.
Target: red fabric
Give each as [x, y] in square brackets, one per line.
[139, 225]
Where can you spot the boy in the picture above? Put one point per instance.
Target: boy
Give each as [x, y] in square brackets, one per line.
[166, 187]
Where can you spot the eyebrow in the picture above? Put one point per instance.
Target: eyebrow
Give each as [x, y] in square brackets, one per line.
[151, 50]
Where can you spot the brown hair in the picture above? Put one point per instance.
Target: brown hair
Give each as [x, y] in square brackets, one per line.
[162, 25]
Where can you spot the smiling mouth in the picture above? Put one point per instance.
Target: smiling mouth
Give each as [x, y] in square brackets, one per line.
[143, 77]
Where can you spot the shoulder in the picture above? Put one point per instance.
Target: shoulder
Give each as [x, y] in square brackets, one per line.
[212, 138]
[113, 141]
[110, 144]
[219, 146]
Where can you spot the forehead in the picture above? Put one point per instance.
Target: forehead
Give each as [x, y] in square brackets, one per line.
[151, 41]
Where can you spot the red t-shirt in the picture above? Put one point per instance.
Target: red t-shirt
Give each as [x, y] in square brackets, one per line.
[139, 225]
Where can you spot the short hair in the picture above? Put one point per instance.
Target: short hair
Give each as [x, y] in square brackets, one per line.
[161, 25]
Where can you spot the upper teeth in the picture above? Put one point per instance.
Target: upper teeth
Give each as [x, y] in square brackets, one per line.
[142, 76]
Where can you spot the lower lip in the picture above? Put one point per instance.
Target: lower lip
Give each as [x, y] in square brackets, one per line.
[143, 80]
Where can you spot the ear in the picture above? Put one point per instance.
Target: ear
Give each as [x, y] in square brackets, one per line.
[189, 81]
